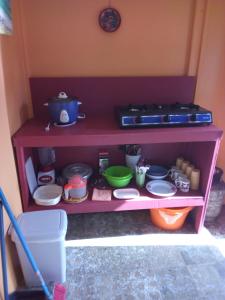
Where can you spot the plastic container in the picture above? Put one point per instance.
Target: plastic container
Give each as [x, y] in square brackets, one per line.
[76, 188]
[45, 233]
[169, 218]
[48, 194]
[118, 176]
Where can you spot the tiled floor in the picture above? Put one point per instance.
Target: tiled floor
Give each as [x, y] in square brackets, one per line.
[121, 255]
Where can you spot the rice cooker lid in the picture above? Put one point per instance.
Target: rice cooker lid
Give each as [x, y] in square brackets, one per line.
[40, 226]
[81, 169]
[61, 98]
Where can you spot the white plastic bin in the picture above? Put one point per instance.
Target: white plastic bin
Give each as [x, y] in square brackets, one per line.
[45, 233]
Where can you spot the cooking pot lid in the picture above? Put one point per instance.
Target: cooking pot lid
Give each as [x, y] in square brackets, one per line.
[62, 97]
[77, 169]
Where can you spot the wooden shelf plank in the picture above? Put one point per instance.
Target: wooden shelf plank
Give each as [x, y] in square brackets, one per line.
[105, 131]
[143, 202]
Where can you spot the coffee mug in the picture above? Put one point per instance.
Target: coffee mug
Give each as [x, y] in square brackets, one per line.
[183, 183]
[176, 174]
[173, 171]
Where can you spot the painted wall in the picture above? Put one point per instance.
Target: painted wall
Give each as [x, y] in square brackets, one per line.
[66, 40]
[210, 90]
[160, 37]
[13, 102]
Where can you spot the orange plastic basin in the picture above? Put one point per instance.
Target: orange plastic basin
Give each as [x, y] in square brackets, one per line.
[169, 218]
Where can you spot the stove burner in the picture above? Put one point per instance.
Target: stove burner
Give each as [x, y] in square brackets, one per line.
[136, 107]
[163, 115]
[185, 106]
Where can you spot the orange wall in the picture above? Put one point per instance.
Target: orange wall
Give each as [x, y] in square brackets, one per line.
[160, 37]
[63, 38]
[13, 99]
[211, 75]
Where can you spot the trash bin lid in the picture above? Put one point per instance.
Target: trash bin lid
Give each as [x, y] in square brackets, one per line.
[38, 226]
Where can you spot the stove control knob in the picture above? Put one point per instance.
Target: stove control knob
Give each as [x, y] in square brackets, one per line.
[138, 120]
[166, 118]
[193, 118]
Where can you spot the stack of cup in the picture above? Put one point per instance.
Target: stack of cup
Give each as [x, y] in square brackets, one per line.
[195, 178]
[179, 162]
[189, 171]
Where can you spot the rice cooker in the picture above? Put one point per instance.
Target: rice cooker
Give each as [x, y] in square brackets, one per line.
[64, 110]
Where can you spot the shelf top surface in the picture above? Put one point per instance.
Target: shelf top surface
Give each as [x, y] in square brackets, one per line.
[105, 130]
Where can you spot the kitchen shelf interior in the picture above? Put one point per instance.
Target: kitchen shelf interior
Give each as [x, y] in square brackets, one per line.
[100, 130]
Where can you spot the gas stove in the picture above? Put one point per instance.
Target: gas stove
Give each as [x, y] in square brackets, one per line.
[165, 115]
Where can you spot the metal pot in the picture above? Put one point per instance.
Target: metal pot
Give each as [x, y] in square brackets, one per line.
[63, 110]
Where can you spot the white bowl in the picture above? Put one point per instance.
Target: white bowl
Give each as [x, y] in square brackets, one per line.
[49, 194]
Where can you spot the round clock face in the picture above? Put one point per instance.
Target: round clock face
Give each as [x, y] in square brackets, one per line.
[109, 19]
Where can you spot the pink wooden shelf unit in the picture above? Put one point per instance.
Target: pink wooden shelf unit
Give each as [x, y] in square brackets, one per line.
[82, 142]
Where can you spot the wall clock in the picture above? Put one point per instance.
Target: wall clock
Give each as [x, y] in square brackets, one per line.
[109, 19]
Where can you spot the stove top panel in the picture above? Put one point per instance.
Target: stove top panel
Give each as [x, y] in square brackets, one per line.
[160, 115]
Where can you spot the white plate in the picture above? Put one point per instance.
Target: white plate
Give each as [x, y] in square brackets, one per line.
[126, 193]
[161, 188]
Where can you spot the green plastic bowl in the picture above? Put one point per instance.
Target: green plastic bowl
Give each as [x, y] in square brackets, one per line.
[118, 176]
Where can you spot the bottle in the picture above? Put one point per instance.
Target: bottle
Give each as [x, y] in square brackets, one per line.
[103, 161]
[46, 175]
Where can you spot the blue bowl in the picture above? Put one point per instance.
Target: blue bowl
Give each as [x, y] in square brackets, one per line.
[157, 172]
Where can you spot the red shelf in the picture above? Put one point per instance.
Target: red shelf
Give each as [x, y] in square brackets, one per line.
[95, 131]
[144, 202]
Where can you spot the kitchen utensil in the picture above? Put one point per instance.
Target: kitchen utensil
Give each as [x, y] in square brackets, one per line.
[183, 183]
[48, 195]
[63, 110]
[77, 169]
[118, 176]
[126, 193]
[161, 188]
[157, 172]
[76, 188]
